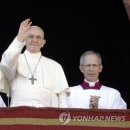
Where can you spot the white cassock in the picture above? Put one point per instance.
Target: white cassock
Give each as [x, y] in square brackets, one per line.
[3, 87]
[2, 104]
[110, 98]
[50, 88]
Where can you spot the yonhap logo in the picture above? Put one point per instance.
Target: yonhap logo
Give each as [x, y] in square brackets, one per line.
[64, 118]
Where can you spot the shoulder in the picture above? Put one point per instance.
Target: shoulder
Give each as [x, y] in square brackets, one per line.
[75, 88]
[49, 60]
[51, 64]
[110, 89]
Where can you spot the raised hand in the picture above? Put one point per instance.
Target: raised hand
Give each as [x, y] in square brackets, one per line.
[24, 26]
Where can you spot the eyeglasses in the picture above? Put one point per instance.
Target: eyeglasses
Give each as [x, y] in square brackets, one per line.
[31, 37]
[90, 66]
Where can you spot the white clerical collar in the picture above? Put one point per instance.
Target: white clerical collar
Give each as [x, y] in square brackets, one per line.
[91, 84]
[34, 55]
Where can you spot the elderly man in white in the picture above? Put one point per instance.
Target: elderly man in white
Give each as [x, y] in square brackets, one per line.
[91, 93]
[34, 79]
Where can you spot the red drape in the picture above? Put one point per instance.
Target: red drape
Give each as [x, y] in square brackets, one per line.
[30, 118]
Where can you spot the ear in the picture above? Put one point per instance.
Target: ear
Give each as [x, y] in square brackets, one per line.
[101, 67]
[44, 42]
[81, 68]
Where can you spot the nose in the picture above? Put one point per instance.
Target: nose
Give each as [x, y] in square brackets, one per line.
[35, 38]
[91, 67]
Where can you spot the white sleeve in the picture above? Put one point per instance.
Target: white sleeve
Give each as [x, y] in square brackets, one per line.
[4, 85]
[62, 99]
[119, 103]
[69, 101]
[2, 104]
[10, 58]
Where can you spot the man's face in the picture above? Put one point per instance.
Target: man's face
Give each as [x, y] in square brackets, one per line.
[34, 40]
[91, 68]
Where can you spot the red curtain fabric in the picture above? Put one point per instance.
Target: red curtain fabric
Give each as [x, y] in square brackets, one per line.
[30, 118]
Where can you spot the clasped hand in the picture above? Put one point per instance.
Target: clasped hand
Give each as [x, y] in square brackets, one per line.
[93, 104]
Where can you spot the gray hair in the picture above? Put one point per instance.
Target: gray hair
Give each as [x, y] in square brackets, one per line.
[89, 53]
